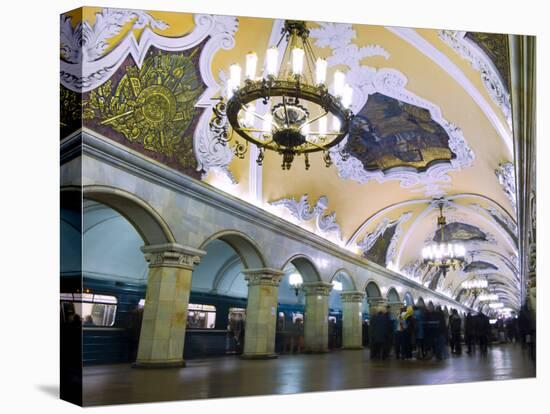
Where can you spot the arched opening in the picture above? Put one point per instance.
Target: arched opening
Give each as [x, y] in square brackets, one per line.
[408, 299]
[420, 302]
[341, 282]
[393, 296]
[219, 295]
[291, 303]
[373, 291]
[114, 271]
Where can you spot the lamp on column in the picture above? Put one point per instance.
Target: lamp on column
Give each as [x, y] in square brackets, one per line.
[295, 281]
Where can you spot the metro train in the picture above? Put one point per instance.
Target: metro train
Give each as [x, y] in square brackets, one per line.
[110, 310]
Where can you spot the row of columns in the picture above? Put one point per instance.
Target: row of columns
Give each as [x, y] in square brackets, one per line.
[165, 313]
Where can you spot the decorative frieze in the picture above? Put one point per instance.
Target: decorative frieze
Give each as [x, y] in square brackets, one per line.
[172, 255]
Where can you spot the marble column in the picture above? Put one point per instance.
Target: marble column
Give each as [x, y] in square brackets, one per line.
[316, 316]
[395, 309]
[352, 319]
[261, 313]
[165, 313]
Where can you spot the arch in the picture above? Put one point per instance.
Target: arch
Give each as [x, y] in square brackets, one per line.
[305, 266]
[420, 302]
[431, 305]
[408, 299]
[393, 296]
[347, 280]
[373, 290]
[149, 224]
[246, 247]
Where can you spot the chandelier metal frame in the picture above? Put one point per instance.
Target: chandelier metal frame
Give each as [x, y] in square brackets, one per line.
[286, 125]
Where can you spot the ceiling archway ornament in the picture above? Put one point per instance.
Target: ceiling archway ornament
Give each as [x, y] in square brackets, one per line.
[303, 211]
[507, 178]
[385, 224]
[493, 82]
[504, 221]
[389, 82]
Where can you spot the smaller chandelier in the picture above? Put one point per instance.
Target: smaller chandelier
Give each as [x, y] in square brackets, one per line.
[290, 109]
[496, 305]
[444, 255]
[475, 286]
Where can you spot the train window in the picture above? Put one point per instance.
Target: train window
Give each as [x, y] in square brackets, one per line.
[201, 316]
[94, 310]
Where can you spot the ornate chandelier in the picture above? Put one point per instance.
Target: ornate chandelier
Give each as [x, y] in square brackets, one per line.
[289, 110]
[444, 255]
[475, 286]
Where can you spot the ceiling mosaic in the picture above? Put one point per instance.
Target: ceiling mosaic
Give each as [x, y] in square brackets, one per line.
[388, 133]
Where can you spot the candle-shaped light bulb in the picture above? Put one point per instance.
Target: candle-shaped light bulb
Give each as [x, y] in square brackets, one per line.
[267, 123]
[339, 82]
[251, 63]
[235, 76]
[322, 126]
[249, 116]
[347, 96]
[305, 130]
[297, 60]
[271, 60]
[321, 71]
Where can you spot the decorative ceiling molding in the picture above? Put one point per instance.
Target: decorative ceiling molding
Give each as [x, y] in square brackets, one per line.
[302, 211]
[390, 82]
[507, 178]
[412, 37]
[508, 225]
[479, 60]
[370, 238]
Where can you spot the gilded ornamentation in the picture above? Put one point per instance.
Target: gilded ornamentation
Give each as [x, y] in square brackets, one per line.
[70, 111]
[153, 105]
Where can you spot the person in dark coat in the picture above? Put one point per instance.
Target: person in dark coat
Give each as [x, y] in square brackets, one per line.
[455, 325]
[483, 331]
[469, 333]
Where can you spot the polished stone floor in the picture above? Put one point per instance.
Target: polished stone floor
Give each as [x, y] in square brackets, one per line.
[338, 370]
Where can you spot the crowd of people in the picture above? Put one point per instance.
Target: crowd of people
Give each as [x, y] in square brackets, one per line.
[426, 333]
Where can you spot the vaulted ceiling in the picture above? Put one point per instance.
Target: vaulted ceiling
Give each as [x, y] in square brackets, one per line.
[437, 99]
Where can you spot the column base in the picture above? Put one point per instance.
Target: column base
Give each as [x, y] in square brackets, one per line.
[351, 348]
[259, 356]
[160, 364]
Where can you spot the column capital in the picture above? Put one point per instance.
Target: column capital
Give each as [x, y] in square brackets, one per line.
[380, 301]
[172, 255]
[317, 288]
[352, 296]
[264, 276]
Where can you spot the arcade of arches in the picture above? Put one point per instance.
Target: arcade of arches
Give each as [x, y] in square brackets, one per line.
[190, 256]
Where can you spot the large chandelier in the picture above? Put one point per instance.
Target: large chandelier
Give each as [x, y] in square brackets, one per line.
[290, 109]
[443, 255]
[475, 286]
